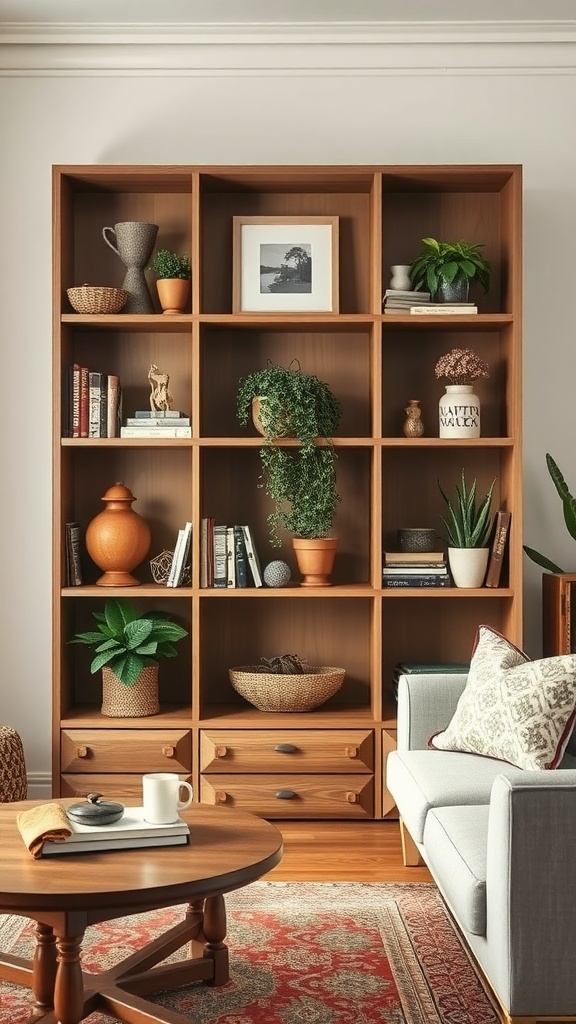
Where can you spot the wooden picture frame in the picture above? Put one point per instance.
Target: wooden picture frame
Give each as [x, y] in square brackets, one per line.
[270, 271]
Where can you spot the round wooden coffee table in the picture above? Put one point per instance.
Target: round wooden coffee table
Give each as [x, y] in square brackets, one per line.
[228, 849]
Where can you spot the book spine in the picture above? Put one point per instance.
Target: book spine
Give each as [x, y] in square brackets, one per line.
[75, 567]
[417, 581]
[220, 557]
[240, 558]
[103, 410]
[169, 432]
[230, 558]
[501, 528]
[442, 310]
[83, 401]
[253, 560]
[113, 406]
[95, 384]
[75, 400]
[147, 414]
[414, 570]
[157, 421]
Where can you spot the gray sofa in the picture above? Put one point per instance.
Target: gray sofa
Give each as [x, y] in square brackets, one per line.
[500, 844]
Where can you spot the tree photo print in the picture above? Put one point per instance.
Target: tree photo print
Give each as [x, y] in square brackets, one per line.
[286, 268]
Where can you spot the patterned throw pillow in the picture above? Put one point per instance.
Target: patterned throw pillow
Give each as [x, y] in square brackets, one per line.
[514, 709]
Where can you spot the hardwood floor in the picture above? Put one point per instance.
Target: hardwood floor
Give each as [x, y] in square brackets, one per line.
[345, 851]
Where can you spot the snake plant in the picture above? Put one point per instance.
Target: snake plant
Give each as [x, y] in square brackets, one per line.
[569, 510]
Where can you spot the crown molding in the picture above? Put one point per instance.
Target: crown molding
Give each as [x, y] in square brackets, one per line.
[363, 48]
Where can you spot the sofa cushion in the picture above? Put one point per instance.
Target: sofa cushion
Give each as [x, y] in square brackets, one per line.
[455, 839]
[512, 708]
[421, 779]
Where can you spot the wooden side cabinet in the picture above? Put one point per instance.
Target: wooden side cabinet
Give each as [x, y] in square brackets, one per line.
[558, 604]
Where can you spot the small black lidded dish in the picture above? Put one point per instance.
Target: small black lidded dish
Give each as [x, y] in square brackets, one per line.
[95, 811]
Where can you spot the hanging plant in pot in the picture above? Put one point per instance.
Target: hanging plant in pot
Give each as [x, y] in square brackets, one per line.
[173, 273]
[128, 648]
[301, 479]
[459, 407]
[446, 269]
[468, 530]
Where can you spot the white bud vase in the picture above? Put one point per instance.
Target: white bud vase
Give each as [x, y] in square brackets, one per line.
[459, 412]
[401, 277]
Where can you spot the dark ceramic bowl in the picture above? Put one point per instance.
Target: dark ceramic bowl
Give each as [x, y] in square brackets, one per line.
[417, 538]
[95, 811]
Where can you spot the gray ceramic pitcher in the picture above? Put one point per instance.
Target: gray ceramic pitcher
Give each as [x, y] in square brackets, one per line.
[133, 241]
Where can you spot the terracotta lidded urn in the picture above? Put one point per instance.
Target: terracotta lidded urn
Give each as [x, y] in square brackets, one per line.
[118, 539]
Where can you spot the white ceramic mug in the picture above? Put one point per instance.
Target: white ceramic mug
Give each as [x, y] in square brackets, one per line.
[161, 797]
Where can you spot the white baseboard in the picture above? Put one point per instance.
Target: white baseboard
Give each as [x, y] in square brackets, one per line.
[39, 785]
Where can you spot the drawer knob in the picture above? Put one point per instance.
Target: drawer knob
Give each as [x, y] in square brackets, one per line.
[285, 794]
[81, 751]
[352, 798]
[221, 796]
[351, 752]
[220, 751]
[168, 751]
[285, 748]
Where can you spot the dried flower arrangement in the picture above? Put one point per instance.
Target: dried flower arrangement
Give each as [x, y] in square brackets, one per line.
[461, 366]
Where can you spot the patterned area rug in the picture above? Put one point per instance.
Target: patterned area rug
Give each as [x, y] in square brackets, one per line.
[304, 953]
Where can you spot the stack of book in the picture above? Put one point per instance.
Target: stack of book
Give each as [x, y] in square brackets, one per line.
[167, 423]
[398, 301]
[443, 309]
[415, 569]
[228, 556]
[131, 832]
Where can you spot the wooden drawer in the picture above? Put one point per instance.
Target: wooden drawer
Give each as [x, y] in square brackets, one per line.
[296, 796]
[125, 788]
[281, 750]
[126, 750]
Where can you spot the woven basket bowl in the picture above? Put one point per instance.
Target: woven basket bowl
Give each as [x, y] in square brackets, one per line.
[271, 691]
[92, 299]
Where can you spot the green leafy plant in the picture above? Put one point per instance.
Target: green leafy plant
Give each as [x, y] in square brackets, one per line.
[449, 262]
[127, 642]
[168, 264]
[301, 481]
[470, 523]
[569, 510]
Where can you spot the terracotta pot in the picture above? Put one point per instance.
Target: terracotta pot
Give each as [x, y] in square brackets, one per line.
[173, 293]
[315, 560]
[118, 539]
[138, 701]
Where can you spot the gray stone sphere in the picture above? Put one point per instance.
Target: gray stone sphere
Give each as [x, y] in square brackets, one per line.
[277, 574]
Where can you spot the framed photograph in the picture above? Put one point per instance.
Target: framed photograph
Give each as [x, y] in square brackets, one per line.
[285, 264]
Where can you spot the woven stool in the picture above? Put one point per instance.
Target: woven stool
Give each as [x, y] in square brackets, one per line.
[13, 784]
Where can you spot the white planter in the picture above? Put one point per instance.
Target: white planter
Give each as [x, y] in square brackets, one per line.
[468, 566]
[459, 412]
[401, 276]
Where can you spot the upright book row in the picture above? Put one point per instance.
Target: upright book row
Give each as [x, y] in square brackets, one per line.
[228, 556]
[92, 403]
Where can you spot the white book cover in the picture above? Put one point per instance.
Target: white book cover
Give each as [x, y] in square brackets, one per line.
[253, 560]
[127, 842]
[183, 554]
[132, 825]
[175, 556]
[156, 431]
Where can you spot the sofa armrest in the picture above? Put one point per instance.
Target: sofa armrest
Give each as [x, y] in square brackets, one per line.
[531, 890]
[426, 704]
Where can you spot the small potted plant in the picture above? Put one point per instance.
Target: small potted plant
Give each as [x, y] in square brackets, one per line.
[459, 407]
[468, 529]
[173, 273]
[300, 480]
[569, 510]
[128, 648]
[448, 268]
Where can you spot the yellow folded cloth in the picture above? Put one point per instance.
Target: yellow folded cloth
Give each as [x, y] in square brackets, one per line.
[47, 821]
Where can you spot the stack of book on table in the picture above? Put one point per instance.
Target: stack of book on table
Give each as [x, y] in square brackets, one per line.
[166, 423]
[131, 832]
[415, 569]
[398, 302]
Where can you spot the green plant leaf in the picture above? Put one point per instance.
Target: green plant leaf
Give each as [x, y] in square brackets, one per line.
[541, 560]
[87, 638]
[136, 633]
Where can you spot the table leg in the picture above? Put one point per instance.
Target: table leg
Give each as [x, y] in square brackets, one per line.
[214, 934]
[69, 987]
[44, 967]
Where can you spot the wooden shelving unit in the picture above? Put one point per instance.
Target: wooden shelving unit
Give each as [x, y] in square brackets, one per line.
[373, 363]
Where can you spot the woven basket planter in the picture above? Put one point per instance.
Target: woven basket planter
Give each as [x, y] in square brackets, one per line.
[93, 299]
[138, 701]
[272, 691]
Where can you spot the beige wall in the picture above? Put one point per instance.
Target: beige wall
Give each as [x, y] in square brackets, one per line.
[413, 115]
